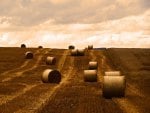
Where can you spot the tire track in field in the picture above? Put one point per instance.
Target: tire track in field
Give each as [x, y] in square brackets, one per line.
[135, 95]
[76, 96]
[124, 103]
[19, 73]
[92, 101]
[51, 95]
[68, 97]
[4, 99]
[42, 100]
[24, 65]
[94, 58]
[134, 90]
[92, 55]
[62, 62]
[65, 99]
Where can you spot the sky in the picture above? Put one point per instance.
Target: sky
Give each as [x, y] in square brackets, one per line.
[59, 23]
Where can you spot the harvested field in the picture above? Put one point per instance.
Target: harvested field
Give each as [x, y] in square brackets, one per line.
[22, 90]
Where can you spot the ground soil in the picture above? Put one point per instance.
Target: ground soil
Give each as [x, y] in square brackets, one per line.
[22, 91]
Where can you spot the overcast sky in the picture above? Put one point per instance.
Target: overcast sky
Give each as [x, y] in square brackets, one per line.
[58, 23]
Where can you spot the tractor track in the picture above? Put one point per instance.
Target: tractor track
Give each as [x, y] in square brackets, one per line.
[8, 74]
[134, 101]
[37, 94]
[5, 98]
[20, 67]
[77, 96]
[49, 92]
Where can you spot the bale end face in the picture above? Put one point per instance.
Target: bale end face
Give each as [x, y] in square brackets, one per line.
[29, 55]
[90, 75]
[113, 86]
[51, 76]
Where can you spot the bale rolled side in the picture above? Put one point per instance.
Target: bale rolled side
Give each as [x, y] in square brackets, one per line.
[93, 65]
[23, 46]
[114, 86]
[112, 73]
[51, 76]
[77, 52]
[50, 60]
[28, 55]
[90, 75]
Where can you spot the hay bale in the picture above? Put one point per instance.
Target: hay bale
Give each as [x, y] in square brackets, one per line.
[90, 46]
[90, 75]
[93, 65]
[50, 60]
[51, 76]
[28, 55]
[80, 52]
[23, 46]
[77, 52]
[40, 47]
[71, 47]
[74, 52]
[114, 86]
[112, 73]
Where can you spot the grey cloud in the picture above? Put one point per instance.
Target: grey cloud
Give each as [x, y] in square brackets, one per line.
[34, 12]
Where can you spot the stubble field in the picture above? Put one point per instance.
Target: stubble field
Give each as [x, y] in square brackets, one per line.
[22, 91]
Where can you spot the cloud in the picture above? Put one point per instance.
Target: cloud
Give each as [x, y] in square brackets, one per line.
[54, 23]
[34, 12]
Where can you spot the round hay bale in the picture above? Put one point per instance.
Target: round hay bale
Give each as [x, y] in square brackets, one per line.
[50, 60]
[114, 86]
[23, 46]
[71, 47]
[90, 75]
[90, 46]
[80, 52]
[28, 55]
[74, 52]
[51, 76]
[40, 47]
[112, 73]
[93, 65]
